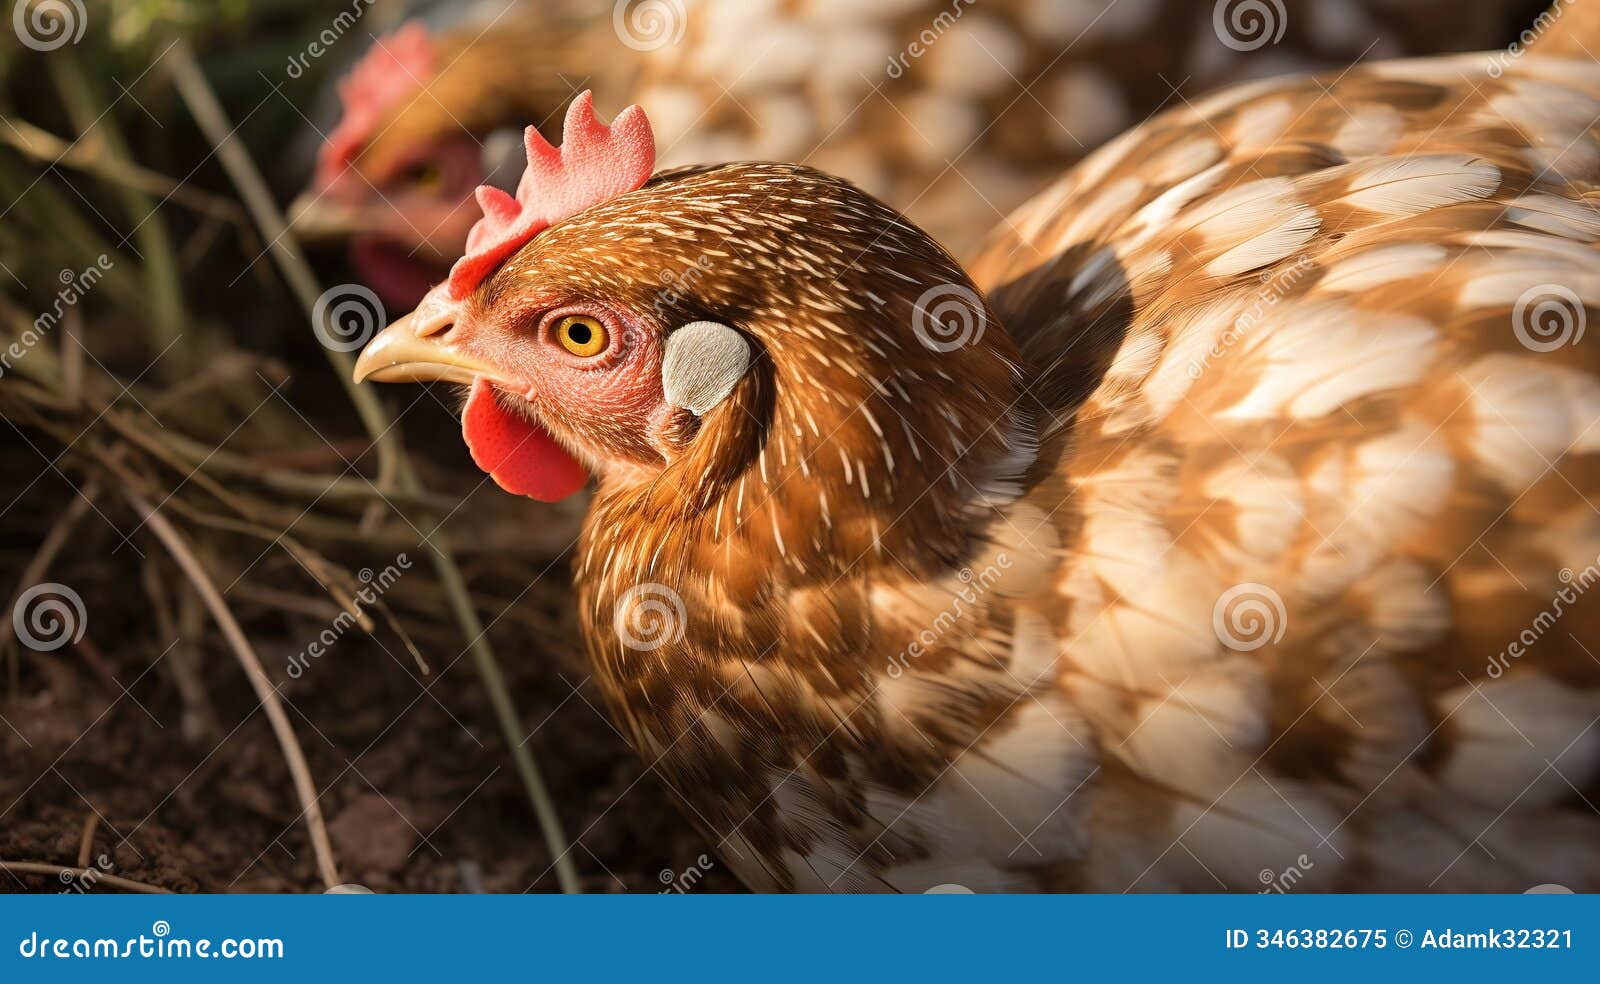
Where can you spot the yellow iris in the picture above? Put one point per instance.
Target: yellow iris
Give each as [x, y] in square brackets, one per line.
[427, 176]
[580, 335]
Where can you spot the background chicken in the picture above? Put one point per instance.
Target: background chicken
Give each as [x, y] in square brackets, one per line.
[955, 112]
[1188, 541]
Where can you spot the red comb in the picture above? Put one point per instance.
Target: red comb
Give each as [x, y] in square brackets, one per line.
[594, 164]
[397, 65]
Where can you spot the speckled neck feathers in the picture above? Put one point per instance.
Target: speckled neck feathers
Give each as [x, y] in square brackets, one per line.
[883, 401]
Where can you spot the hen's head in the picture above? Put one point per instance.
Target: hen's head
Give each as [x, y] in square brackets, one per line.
[421, 126]
[763, 332]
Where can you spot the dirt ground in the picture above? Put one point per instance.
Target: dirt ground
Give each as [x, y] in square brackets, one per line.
[416, 782]
[146, 731]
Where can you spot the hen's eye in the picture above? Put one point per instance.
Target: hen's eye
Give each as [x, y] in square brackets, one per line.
[582, 336]
[424, 175]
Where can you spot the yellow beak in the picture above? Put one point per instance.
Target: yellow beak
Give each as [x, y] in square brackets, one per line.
[412, 350]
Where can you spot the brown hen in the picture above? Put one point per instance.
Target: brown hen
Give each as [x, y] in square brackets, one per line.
[1231, 524]
[952, 111]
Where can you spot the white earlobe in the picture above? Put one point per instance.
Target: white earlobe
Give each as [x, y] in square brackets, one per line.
[704, 360]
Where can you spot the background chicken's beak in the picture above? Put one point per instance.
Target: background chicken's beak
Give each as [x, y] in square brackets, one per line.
[315, 218]
[399, 354]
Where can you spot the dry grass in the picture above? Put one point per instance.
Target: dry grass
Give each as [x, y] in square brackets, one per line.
[263, 490]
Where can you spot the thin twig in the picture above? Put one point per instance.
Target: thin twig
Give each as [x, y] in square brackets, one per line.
[318, 486]
[394, 469]
[199, 719]
[89, 155]
[40, 868]
[265, 691]
[235, 159]
[86, 839]
[72, 356]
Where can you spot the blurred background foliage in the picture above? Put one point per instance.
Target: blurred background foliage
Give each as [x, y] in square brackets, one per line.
[105, 160]
[185, 373]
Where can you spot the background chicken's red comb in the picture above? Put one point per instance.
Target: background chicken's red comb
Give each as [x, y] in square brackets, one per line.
[594, 164]
[397, 65]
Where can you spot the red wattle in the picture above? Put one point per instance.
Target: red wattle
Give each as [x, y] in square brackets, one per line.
[518, 454]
